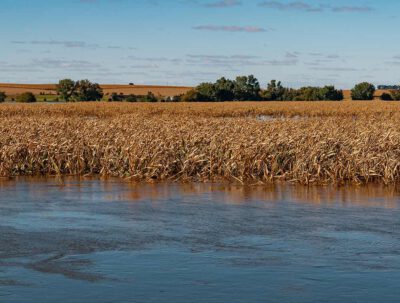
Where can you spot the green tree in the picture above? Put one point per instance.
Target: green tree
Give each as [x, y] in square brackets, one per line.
[290, 94]
[363, 91]
[395, 94]
[66, 89]
[27, 97]
[192, 96]
[87, 91]
[386, 97]
[150, 97]
[116, 97]
[207, 91]
[131, 98]
[3, 97]
[308, 93]
[274, 92]
[329, 93]
[176, 98]
[224, 89]
[247, 88]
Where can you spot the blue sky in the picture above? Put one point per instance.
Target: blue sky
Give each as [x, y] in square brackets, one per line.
[184, 42]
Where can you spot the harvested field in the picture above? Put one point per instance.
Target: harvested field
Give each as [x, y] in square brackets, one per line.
[336, 142]
[15, 89]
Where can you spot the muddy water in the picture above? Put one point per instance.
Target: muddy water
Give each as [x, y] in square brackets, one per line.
[111, 241]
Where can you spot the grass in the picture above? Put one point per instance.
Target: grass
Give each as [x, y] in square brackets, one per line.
[304, 142]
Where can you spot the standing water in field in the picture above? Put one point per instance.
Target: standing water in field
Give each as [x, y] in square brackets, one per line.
[112, 241]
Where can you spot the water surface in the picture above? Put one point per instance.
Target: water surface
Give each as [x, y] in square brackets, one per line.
[113, 241]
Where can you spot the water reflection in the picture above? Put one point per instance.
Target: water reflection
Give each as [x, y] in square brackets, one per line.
[125, 191]
[108, 240]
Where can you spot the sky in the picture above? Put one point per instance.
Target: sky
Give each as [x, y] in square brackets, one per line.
[185, 42]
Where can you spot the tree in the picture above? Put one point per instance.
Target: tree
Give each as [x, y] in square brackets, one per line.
[207, 91]
[308, 93]
[247, 88]
[192, 96]
[87, 91]
[224, 89]
[27, 97]
[274, 92]
[150, 97]
[290, 94]
[66, 89]
[116, 97]
[363, 91]
[329, 93]
[176, 98]
[3, 97]
[386, 97]
[131, 98]
[395, 94]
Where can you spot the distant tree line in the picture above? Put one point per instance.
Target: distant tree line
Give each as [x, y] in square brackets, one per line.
[389, 87]
[27, 97]
[150, 97]
[243, 88]
[247, 88]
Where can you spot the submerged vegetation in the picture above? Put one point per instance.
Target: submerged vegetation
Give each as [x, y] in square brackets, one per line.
[318, 142]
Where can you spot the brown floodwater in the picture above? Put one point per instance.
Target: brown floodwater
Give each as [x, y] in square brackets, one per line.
[91, 240]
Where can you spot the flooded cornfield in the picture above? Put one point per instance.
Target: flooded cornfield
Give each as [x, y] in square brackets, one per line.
[91, 240]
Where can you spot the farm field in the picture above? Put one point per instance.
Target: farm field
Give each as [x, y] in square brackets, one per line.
[49, 90]
[248, 142]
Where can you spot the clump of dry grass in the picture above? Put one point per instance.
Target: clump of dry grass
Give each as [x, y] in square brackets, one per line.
[327, 142]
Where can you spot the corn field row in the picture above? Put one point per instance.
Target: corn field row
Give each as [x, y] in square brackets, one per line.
[324, 143]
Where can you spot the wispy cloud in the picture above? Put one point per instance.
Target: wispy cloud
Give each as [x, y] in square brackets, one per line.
[39, 65]
[352, 9]
[65, 64]
[336, 69]
[69, 44]
[224, 3]
[236, 61]
[72, 44]
[230, 28]
[296, 5]
[155, 59]
[305, 6]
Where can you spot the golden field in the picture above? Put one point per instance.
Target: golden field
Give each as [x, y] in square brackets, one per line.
[249, 142]
[50, 89]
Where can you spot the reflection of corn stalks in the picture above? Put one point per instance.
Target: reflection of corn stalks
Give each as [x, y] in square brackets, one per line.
[339, 142]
